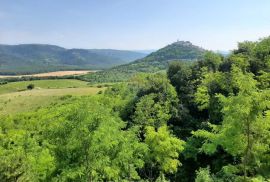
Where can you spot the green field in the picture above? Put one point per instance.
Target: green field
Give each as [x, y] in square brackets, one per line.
[15, 98]
[42, 84]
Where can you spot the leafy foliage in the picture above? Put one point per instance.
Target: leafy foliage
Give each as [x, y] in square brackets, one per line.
[203, 175]
[225, 101]
[164, 149]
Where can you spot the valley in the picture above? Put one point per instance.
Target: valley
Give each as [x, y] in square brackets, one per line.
[134, 91]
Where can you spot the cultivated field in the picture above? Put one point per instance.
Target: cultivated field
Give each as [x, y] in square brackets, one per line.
[55, 73]
[15, 98]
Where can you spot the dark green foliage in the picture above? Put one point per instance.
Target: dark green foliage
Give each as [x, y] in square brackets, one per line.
[230, 97]
[157, 101]
[30, 86]
[35, 58]
[3, 82]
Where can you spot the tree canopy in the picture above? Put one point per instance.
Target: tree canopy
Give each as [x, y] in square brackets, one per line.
[204, 121]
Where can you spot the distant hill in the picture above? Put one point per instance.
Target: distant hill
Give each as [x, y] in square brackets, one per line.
[156, 61]
[34, 58]
[146, 51]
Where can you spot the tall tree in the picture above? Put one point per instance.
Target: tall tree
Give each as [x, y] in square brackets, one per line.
[245, 129]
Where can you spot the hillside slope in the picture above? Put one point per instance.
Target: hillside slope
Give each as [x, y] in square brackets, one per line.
[34, 58]
[156, 61]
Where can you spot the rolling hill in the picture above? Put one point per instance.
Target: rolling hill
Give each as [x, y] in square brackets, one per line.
[156, 61]
[34, 58]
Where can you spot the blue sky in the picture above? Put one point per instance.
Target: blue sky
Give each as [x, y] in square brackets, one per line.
[133, 24]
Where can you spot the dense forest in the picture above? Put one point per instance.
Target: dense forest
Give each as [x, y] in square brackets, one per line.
[156, 61]
[208, 121]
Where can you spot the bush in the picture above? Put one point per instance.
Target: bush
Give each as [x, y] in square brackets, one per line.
[30, 86]
[3, 82]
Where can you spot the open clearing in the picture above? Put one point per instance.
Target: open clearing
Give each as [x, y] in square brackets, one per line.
[42, 84]
[55, 73]
[14, 98]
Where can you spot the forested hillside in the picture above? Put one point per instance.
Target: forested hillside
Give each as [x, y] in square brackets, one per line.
[34, 58]
[208, 121]
[156, 61]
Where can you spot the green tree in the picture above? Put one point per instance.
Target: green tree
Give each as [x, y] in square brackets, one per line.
[164, 150]
[180, 76]
[90, 144]
[203, 175]
[245, 126]
[23, 156]
[156, 102]
[212, 60]
[151, 112]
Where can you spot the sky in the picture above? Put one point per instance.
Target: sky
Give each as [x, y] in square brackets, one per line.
[133, 24]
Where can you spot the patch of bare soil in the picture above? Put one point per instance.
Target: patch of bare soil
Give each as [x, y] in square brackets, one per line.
[55, 73]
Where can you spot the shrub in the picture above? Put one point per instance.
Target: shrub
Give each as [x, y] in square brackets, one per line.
[30, 86]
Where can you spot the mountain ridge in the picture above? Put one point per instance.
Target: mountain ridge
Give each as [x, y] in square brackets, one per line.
[35, 58]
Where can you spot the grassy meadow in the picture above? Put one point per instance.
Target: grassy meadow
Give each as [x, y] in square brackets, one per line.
[16, 98]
